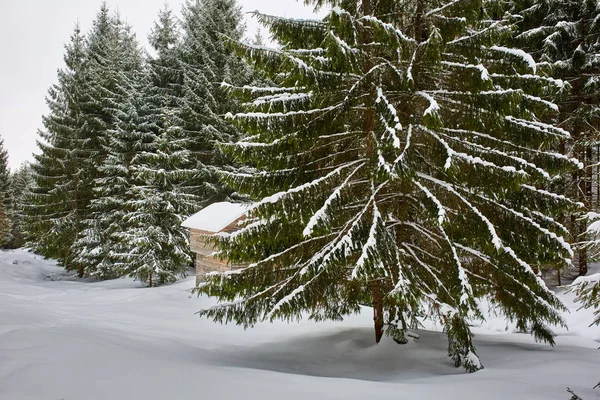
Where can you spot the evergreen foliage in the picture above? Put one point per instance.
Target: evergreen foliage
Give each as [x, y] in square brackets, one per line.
[114, 116]
[5, 198]
[58, 200]
[405, 154]
[20, 184]
[206, 63]
[564, 38]
[113, 64]
[155, 248]
[152, 245]
[588, 288]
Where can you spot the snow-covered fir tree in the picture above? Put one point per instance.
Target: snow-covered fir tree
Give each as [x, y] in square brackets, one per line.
[206, 63]
[587, 288]
[563, 37]
[152, 245]
[5, 198]
[165, 67]
[400, 163]
[59, 197]
[20, 184]
[154, 248]
[113, 64]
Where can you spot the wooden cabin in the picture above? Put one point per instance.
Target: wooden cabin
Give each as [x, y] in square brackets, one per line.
[211, 220]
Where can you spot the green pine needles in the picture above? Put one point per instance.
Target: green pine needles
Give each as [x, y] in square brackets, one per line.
[563, 37]
[402, 161]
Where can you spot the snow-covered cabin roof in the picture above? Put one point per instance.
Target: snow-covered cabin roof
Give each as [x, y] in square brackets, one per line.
[216, 217]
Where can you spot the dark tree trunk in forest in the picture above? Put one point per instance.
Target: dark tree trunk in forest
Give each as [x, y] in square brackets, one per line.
[377, 310]
[583, 265]
[585, 190]
[369, 121]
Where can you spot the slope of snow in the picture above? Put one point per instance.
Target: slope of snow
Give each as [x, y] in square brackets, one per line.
[216, 216]
[61, 338]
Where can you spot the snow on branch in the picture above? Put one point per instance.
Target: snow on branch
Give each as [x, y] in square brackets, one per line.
[526, 57]
[284, 97]
[501, 270]
[562, 242]
[261, 115]
[245, 143]
[428, 268]
[559, 83]
[371, 243]
[259, 89]
[433, 105]
[442, 8]
[345, 236]
[400, 158]
[344, 47]
[540, 127]
[322, 212]
[277, 196]
[392, 110]
[485, 76]
[388, 28]
[268, 20]
[496, 241]
[438, 204]
[564, 157]
[490, 150]
[467, 290]
[555, 196]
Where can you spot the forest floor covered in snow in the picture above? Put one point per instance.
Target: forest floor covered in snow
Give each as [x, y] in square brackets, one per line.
[67, 339]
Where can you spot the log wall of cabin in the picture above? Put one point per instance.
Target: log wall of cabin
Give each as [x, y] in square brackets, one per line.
[205, 262]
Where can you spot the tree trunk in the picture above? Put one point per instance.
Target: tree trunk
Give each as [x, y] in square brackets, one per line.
[585, 192]
[369, 126]
[583, 265]
[377, 310]
[75, 205]
[150, 280]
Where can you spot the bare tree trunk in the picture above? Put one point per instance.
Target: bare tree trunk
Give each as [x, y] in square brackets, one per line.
[377, 310]
[150, 280]
[75, 205]
[585, 192]
[583, 264]
[369, 126]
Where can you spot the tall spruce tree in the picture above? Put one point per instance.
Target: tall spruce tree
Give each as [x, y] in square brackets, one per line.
[5, 198]
[165, 68]
[113, 65]
[405, 156]
[563, 37]
[20, 184]
[587, 288]
[206, 63]
[152, 245]
[59, 199]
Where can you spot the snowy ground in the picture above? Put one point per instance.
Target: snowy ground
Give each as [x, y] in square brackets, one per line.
[63, 339]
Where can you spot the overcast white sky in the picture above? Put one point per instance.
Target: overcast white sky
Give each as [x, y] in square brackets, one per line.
[32, 36]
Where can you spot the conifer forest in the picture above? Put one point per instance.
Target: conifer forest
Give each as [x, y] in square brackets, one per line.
[421, 162]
